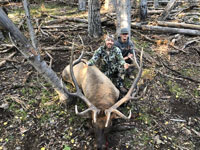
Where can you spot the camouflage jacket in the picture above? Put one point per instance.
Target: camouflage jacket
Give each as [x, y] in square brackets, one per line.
[125, 48]
[109, 59]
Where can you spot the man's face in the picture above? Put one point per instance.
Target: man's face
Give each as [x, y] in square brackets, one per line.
[124, 37]
[109, 43]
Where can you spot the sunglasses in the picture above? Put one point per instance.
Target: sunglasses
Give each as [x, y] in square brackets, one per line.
[124, 33]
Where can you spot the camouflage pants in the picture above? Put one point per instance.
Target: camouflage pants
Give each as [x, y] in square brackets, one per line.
[115, 73]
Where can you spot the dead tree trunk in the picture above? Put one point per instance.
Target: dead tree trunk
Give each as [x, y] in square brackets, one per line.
[94, 19]
[82, 5]
[123, 15]
[28, 18]
[143, 10]
[33, 56]
[110, 5]
[167, 10]
[155, 4]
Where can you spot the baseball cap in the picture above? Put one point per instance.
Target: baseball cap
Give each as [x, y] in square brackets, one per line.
[124, 30]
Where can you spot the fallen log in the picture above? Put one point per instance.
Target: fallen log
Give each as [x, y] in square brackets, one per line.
[178, 25]
[63, 19]
[165, 29]
[150, 12]
[62, 48]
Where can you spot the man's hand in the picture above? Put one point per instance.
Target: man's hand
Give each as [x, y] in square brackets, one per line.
[130, 55]
[126, 66]
[125, 58]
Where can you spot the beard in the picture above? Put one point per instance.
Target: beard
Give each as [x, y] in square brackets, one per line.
[109, 46]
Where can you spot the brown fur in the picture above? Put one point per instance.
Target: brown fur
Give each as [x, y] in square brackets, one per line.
[98, 88]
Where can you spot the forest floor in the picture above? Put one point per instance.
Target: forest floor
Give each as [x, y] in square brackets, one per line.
[166, 117]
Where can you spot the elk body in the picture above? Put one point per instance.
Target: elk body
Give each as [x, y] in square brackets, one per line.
[97, 87]
[100, 95]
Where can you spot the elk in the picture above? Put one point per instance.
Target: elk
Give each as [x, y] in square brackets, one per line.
[100, 95]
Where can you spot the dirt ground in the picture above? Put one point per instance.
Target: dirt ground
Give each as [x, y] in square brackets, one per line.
[166, 117]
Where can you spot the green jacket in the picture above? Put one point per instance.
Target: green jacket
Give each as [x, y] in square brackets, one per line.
[110, 59]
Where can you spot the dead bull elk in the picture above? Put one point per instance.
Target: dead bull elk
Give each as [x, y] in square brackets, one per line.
[100, 95]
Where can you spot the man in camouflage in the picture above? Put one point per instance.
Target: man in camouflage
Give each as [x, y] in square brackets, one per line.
[112, 63]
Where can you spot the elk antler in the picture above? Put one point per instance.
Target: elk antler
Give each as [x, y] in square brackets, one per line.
[127, 97]
[78, 92]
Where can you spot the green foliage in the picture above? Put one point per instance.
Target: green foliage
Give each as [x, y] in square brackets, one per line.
[66, 147]
[189, 71]
[22, 114]
[145, 118]
[175, 89]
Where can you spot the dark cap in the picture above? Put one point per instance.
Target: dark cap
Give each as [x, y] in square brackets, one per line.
[109, 37]
[124, 30]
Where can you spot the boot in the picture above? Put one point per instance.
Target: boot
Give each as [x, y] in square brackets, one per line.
[123, 90]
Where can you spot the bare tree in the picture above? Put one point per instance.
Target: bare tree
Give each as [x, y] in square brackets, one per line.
[82, 5]
[94, 19]
[123, 15]
[171, 4]
[110, 5]
[134, 3]
[155, 4]
[32, 55]
[143, 10]
[28, 18]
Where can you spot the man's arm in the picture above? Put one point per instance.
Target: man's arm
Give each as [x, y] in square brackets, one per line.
[121, 59]
[95, 57]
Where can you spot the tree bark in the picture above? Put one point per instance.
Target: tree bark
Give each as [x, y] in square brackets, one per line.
[123, 15]
[82, 5]
[155, 4]
[143, 10]
[165, 29]
[28, 20]
[94, 19]
[33, 56]
[110, 5]
[167, 10]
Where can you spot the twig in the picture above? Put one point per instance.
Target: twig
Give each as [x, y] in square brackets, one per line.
[27, 77]
[168, 76]
[188, 43]
[197, 133]
[64, 48]
[5, 51]
[178, 48]
[6, 59]
[22, 103]
[178, 120]
[51, 59]
[180, 75]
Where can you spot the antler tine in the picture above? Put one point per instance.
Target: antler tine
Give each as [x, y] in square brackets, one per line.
[127, 97]
[72, 71]
[79, 59]
[108, 113]
[78, 92]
